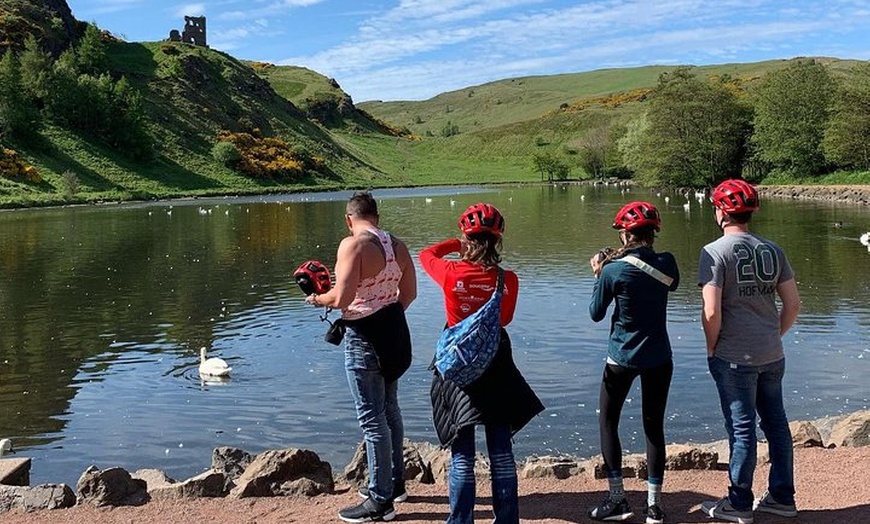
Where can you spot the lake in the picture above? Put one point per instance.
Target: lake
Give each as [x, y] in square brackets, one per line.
[103, 310]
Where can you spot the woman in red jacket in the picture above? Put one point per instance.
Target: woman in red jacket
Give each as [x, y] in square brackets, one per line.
[500, 399]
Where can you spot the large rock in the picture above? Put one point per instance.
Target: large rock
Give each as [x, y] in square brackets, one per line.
[720, 447]
[154, 478]
[207, 484]
[231, 461]
[805, 434]
[632, 466]
[437, 459]
[686, 456]
[416, 467]
[44, 496]
[285, 472]
[550, 467]
[111, 487]
[852, 431]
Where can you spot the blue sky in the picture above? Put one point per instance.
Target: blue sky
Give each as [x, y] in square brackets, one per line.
[415, 49]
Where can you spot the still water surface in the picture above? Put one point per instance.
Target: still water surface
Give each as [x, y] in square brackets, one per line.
[103, 310]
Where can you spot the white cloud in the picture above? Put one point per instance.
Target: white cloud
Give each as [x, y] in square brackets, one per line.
[189, 10]
[112, 6]
[299, 3]
[422, 47]
[271, 8]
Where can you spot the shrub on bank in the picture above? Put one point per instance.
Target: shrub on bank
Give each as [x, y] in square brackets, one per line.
[265, 157]
[14, 167]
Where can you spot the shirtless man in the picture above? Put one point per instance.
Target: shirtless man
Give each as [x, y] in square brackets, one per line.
[375, 282]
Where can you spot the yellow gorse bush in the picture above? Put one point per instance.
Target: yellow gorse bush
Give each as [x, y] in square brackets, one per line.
[13, 167]
[268, 157]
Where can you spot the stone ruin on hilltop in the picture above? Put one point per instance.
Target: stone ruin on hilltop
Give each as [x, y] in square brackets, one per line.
[194, 31]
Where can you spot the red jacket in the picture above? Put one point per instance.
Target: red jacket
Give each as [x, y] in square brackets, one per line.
[467, 286]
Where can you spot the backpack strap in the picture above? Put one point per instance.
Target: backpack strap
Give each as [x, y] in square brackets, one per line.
[648, 269]
[499, 287]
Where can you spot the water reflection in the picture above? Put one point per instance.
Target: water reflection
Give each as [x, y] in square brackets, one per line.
[102, 312]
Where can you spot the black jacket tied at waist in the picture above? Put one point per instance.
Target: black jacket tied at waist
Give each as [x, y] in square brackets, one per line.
[501, 396]
[387, 331]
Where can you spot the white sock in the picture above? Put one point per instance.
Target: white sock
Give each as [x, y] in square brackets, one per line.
[654, 495]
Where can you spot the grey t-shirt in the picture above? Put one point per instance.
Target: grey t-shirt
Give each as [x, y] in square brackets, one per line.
[747, 268]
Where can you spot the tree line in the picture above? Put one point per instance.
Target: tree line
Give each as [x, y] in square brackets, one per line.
[799, 122]
[75, 91]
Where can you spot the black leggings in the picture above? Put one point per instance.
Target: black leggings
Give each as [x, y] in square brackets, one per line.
[615, 385]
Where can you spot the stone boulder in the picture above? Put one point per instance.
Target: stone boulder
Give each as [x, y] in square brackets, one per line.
[686, 456]
[154, 478]
[852, 431]
[285, 472]
[805, 434]
[416, 467]
[231, 461]
[550, 467]
[43, 496]
[210, 483]
[437, 460]
[632, 466]
[111, 487]
[720, 447]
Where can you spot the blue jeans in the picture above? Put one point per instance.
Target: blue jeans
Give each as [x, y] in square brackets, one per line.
[502, 468]
[378, 413]
[743, 392]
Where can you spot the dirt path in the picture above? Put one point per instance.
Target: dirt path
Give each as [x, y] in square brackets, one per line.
[833, 487]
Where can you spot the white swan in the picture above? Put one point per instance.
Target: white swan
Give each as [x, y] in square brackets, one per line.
[5, 446]
[215, 367]
[865, 239]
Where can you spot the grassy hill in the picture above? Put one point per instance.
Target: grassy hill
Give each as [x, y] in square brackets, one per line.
[190, 95]
[480, 134]
[502, 124]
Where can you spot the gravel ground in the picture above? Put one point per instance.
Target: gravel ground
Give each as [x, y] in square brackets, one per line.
[833, 487]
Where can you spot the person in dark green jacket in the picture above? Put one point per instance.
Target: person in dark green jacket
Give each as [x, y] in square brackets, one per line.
[638, 280]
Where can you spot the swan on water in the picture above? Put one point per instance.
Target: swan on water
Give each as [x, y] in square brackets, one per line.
[865, 239]
[5, 446]
[213, 366]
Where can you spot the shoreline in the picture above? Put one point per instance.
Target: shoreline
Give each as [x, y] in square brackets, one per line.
[856, 194]
[827, 451]
[833, 486]
[843, 194]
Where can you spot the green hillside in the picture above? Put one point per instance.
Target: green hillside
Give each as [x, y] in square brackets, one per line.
[523, 99]
[190, 95]
[213, 125]
[504, 123]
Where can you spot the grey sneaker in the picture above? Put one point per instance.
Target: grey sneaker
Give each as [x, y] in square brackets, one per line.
[767, 504]
[723, 510]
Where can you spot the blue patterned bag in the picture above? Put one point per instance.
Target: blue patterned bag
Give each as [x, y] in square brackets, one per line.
[466, 349]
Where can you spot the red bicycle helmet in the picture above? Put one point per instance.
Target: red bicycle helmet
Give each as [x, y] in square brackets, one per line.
[637, 214]
[481, 218]
[313, 277]
[735, 196]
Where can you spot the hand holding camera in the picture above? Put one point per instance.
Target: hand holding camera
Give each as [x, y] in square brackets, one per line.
[599, 259]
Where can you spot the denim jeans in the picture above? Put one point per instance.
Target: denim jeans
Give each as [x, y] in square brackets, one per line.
[503, 470]
[743, 392]
[378, 413]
